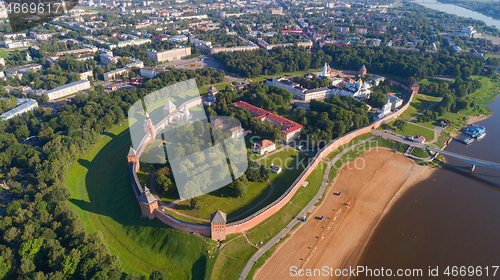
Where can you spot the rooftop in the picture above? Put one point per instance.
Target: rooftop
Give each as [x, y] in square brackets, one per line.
[286, 124]
[67, 85]
[218, 217]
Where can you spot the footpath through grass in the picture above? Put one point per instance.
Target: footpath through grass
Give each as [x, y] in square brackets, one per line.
[354, 141]
[417, 105]
[103, 197]
[412, 129]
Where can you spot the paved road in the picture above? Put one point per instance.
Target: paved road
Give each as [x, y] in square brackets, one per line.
[397, 138]
[296, 220]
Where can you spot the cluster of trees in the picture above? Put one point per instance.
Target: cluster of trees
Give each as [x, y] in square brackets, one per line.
[219, 38]
[257, 172]
[455, 99]
[54, 46]
[254, 63]
[269, 98]
[7, 104]
[48, 78]
[69, 64]
[378, 97]
[163, 181]
[330, 118]
[312, 83]
[384, 60]
[284, 38]
[41, 237]
[459, 88]
[493, 61]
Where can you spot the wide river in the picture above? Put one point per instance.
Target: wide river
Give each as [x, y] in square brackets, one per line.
[448, 220]
[459, 11]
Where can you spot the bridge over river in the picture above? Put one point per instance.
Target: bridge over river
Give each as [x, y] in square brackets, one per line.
[471, 160]
[474, 161]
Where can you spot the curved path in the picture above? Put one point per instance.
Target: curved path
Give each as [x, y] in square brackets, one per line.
[170, 206]
[297, 219]
[255, 206]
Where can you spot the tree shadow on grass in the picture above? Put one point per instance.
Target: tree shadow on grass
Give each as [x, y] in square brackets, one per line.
[199, 268]
[135, 239]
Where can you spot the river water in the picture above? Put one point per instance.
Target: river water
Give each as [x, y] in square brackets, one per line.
[449, 220]
[459, 11]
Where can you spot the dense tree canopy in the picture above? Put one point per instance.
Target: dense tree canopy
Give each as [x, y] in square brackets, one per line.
[385, 60]
[254, 63]
[40, 210]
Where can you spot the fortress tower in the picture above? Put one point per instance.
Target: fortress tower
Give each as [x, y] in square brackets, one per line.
[148, 204]
[148, 126]
[132, 157]
[218, 225]
[414, 87]
[362, 71]
[212, 91]
[169, 108]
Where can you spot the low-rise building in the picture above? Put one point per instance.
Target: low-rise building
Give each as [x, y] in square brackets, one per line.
[40, 36]
[108, 76]
[16, 44]
[14, 35]
[21, 70]
[24, 105]
[150, 72]
[396, 102]
[263, 147]
[108, 58]
[289, 129]
[85, 75]
[67, 89]
[236, 132]
[419, 139]
[168, 55]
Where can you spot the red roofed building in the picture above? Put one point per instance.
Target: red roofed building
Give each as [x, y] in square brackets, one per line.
[289, 129]
[263, 147]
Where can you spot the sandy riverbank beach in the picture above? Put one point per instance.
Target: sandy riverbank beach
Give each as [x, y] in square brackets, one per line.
[338, 240]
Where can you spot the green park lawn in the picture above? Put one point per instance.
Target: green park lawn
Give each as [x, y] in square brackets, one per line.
[103, 197]
[417, 105]
[420, 153]
[354, 141]
[219, 87]
[427, 81]
[4, 53]
[233, 258]
[432, 99]
[493, 55]
[284, 74]
[292, 163]
[412, 129]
